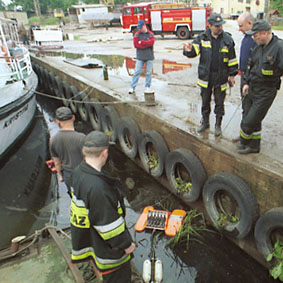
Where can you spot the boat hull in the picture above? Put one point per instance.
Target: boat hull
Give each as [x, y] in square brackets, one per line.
[16, 116]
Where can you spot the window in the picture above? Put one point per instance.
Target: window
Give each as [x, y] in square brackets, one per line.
[137, 11]
[248, 1]
[127, 12]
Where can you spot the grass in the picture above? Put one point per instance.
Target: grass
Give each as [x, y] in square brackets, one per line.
[182, 186]
[277, 270]
[46, 21]
[225, 219]
[191, 229]
[277, 27]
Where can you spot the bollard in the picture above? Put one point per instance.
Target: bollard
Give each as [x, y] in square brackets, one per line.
[105, 73]
[15, 243]
[149, 98]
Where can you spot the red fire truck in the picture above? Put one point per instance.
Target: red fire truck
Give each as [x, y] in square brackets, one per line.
[166, 18]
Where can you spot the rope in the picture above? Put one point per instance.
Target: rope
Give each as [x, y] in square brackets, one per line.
[84, 101]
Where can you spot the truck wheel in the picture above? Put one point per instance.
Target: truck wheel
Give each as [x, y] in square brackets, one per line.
[183, 33]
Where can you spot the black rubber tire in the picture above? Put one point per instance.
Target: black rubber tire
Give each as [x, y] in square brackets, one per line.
[66, 94]
[110, 122]
[194, 168]
[82, 106]
[51, 80]
[94, 111]
[58, 87]
[241, 193]
[268, 222]
[128, 135]
[41, 78]
[183, 33]
[74, 96]
[46, 80]
[161, 149]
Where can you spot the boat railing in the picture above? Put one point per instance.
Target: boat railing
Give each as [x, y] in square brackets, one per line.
[15, 68]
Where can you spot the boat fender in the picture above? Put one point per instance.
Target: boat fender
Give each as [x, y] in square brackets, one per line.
[128, 135]
[152, 152]
[95, 114]
[265, 227]
[158, 273]
[58, 86]
[146, 271]
[194, 172]
[110, 122]
[66, 94]
[74, 96]
[82, 107]
[236, 193]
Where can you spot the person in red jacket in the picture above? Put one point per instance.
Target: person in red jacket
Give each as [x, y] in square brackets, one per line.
[143, 42]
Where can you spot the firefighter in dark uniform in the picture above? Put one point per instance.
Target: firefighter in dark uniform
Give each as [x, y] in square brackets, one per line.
[98, 227]
[261, 83]
[217, 65]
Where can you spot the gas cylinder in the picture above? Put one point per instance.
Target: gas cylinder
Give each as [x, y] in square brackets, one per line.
[105, 72]
[146, 271]
[158, 271]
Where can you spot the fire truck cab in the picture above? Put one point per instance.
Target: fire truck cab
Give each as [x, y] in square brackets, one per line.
[166, 18]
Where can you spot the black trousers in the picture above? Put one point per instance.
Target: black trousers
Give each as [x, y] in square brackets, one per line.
[243, 97]
[121, 275]
[257, 102]
[219, 97]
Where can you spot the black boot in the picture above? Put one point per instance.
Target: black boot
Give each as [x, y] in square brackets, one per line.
[204, 125]
[218, 130]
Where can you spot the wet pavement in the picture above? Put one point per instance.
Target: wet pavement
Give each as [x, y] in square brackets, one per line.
[174, 80]
[215, 259]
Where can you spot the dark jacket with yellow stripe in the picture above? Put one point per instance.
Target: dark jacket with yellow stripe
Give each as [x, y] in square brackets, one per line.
[228, 63]
[97, 219]
[266, 64]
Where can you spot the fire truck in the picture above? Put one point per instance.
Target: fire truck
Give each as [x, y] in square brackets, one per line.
[166, 18]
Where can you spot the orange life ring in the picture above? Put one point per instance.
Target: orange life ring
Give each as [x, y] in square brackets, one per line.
[5, 51]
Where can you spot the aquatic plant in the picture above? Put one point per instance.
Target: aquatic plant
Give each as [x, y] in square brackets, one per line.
[277, 270]
[225, 219]
[191, 229]
[182, 186]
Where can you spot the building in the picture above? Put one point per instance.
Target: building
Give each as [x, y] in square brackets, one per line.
[19, 17]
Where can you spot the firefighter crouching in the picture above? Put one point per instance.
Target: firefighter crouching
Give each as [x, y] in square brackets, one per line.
[98, 227]
[261, 82]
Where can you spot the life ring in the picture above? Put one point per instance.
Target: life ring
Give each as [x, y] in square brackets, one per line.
[74, 96]
[51, 80]
[66, 94]
[58, 86]
[82, 106]
[152, 152]
[185, 173]
[265, 228]
[110, 122]
[230, 204]
[94, 111]
[128, 135]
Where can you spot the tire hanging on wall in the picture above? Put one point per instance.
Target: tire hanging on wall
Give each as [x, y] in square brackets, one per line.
[266, 226]
[128, 135]
[58, 87]
[225, 191]
[41, 78]
[66, 95]
[152, 152]
[95, 114]
[82, 106]
[74, 96]
[45, 80]
[110, 122]
[51, 80]
[185, 173]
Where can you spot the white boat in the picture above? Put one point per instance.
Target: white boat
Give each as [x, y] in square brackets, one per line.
[17, 84]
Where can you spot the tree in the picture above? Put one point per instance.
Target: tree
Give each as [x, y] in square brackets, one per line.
[277, 5]
[2, 5]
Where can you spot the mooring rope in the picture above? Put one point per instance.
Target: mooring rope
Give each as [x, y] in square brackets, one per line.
[84, 101]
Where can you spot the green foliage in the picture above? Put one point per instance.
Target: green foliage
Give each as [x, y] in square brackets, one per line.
[277, 5]
[191, 229]
[43, 21]
[182, 186]
[152, 162]
[2, 5]
[277, 270]
[225, 219]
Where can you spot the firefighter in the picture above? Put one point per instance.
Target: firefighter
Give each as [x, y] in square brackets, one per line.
[98, 227]
[261, 83]
[217, 65]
